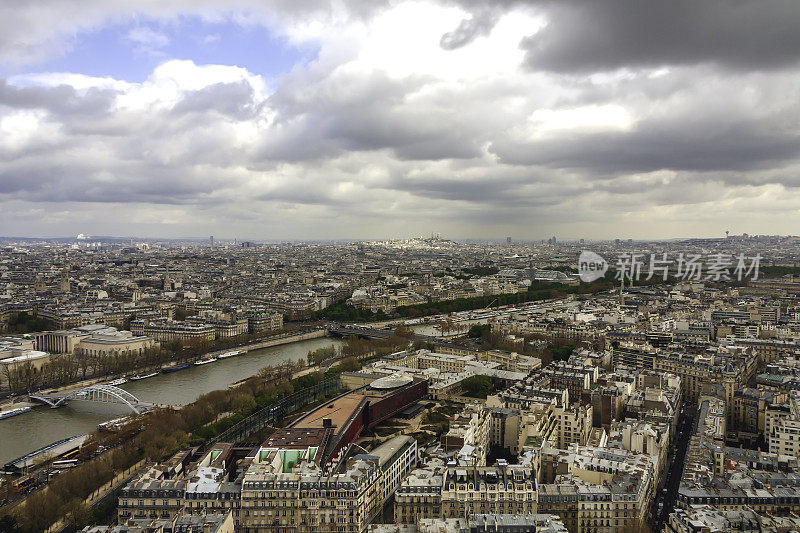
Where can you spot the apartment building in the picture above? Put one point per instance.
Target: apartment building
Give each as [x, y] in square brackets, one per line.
[260, 321]
[767, 350]
[727, 478]
[420, 494]
[151, 496]
[504, 428]
[511, 360]
[169, 331]
[782, 425]
[181, 523]
[469, 491]
[598, 489]
[487, 523]
[538, 424]
[544, 415]
[574, 424]
[646, 438]
[469, 434]
[287, 490]
[634, 355]
[750, 408]
[574, 377]
[396, 458]
[731, 371]
[166, 490]
[74, 318]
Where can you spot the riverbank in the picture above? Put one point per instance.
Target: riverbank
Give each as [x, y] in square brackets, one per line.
[272, 341]
[42, 425]
[210, 418]
[246, 348]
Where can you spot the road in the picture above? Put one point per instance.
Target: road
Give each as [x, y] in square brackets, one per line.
[676, 458]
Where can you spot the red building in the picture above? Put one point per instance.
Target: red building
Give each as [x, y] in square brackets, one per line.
[337, 423]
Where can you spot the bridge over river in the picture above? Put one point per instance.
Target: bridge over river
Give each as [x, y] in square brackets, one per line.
[344, 330]
[100, 393]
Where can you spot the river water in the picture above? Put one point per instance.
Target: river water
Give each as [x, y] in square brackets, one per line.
[41, 426]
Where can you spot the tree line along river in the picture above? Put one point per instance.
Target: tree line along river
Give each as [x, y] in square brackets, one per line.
[41, 426]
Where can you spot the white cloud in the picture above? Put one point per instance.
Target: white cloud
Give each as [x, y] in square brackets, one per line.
[22, 130]
[146, 39]
[404, 41]
[168, 83]
[584, 118]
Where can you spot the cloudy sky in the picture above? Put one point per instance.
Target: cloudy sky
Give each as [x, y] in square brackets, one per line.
[269, 119]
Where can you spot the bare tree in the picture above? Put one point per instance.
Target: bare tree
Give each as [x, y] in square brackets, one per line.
[10, 376]
[26, 377]
[82, 360]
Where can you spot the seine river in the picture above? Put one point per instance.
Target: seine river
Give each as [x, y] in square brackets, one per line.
[41, 426]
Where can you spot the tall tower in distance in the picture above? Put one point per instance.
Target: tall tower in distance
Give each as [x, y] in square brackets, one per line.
[211, 239]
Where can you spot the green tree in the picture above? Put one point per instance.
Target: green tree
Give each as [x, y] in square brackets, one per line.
[561, 353]
[477, 386]
[22, 322]
[478, 331]
[348, 364]
[319, 355]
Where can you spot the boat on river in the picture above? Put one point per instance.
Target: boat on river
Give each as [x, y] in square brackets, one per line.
[14, 412]
[173, 368]
[137, 377]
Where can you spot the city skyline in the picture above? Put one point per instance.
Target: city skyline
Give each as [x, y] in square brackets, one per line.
[227, 240]
[267, 120]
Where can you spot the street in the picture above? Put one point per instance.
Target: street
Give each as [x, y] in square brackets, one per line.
[664, 501]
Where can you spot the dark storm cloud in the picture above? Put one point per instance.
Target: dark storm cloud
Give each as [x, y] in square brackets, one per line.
[235, 100]
[487, 189]
[18, 182]
[62, 99]
[62, 181]
[304, 192]
[411, 134]
[650, 148]
[596, 35]
[363, 113]
[696, 119]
